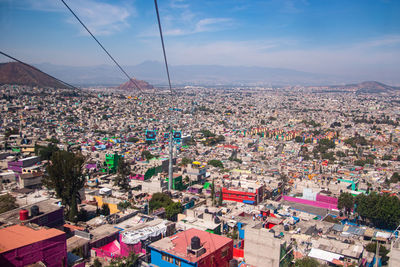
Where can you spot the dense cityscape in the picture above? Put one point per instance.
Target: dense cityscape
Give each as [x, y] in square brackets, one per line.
[207, 133]
[312, 177]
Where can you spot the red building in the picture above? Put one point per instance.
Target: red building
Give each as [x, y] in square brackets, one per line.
[192, 248]
[251, 194]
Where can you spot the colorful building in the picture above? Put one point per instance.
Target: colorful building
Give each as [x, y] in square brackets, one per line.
[111, 163]
[248, 195]
[192, 248]
[101, 201]
[177, 183]
[21, 245]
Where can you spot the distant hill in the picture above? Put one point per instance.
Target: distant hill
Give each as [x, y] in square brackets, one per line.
[130, 85]
[372, 87]
[20, 74]
[369, 87]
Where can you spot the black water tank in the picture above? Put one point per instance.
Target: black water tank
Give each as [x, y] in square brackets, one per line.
[233, 263]
[34, 211]
[286, 227]
[206, 211]
[195, 242]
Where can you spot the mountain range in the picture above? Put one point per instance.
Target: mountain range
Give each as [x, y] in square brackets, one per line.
[17, 73]
[154, 72]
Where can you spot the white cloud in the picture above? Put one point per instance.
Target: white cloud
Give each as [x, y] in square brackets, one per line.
[179, 20]
[100, 18]
[210, 24]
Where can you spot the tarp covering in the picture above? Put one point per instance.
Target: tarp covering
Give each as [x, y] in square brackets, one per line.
[324, 255]
[134, 237]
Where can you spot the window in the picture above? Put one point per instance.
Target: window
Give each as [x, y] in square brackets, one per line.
[166, 257]
[224, 252]
[177, 262]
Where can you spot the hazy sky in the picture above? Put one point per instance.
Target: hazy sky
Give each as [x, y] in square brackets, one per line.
[325, 36]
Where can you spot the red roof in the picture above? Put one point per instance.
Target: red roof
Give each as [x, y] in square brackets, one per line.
[177, 244]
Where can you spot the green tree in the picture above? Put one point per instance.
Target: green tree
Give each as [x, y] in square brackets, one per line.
[346, 202]
[395, 177]
[123, 205]
[7, 202]
[46, 153]
[382, 210]
[172, 210]
[306, 262]
[299, 139]
[161, 200]
[220, 198]
[123, 172]
[207, 133]
[131, 261]
[96, 263]
[383, 251]
[340, 154]
[216, 163]
[387, 157]
[105, 210]
[147, 155]
[66, 178]
[185, 161]
[213, 192]
[133, 139]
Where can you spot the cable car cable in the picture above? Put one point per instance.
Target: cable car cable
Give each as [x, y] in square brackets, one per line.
[163, 46]
[105, 50]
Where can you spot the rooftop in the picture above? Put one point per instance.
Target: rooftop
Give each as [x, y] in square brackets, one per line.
[16, 236]
[45, 206]
[177, 244]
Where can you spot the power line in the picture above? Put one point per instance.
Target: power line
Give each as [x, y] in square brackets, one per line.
[32, 67]
[163, 47]
[105, 50]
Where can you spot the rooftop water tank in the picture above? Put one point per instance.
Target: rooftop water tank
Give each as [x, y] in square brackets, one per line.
[23, 215]
[195, 242]
[34, 211]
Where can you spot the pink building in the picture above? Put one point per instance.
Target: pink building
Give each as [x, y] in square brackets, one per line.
[21, 245]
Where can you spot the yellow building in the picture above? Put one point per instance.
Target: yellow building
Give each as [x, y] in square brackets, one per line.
[112, 206]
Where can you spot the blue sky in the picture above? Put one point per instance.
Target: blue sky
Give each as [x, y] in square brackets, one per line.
[325, 36]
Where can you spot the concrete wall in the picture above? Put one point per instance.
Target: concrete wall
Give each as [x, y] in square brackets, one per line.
[261, 248]
[394, 255]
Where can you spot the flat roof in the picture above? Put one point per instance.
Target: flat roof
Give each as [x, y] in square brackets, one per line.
[177, 244]
[16, 236]
[45, 206]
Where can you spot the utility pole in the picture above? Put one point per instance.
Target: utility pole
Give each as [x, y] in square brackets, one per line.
[377, 254]
[170, 171]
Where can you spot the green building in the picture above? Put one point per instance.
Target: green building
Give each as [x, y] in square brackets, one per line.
[111, 163]
[177, 183]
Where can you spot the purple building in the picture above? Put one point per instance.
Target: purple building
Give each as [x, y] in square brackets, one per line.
[18, 165]
[21, 245]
